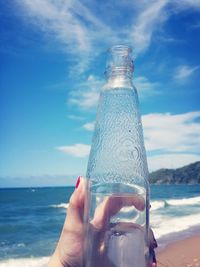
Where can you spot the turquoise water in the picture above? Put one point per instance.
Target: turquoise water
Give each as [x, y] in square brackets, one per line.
[31, 219]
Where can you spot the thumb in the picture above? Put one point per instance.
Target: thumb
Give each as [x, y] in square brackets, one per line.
[74, 219]
[70, 245]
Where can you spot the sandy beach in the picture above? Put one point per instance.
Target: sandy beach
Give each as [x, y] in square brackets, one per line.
[184, 253]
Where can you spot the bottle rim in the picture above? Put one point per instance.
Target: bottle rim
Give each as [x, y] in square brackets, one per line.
[120, 48]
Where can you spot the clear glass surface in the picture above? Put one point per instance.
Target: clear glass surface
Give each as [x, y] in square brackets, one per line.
[117, 202]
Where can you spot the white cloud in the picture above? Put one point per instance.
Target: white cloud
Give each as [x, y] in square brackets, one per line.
[172, 133]
[144, 86]
[86, 100]
[174, 139]
[75, 117]
[169, 133]
[186, 4]
[150, 17]
[184, 71]
[56, 18]
[89, 126]
[164, 132]
[87, 94]
[168, 39]
[171, 161]
[81, 26]
[77, 150]
[72, 23]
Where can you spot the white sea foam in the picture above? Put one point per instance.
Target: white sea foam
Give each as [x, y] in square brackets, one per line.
[164, 225]
[184, 201]
[28, 262]
[61, 205]
[155, 204]
[164, 221]
[158, 204]
[21, 245]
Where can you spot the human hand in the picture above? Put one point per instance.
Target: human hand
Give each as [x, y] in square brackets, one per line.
[69, 251]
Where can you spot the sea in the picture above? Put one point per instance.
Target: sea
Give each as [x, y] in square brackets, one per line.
[31, 220]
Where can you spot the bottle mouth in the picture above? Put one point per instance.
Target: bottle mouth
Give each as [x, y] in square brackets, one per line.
[120, 49]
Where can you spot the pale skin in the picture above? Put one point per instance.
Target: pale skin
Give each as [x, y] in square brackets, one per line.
[69, 250]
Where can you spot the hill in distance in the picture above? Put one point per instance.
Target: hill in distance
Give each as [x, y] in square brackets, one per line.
[189, 174]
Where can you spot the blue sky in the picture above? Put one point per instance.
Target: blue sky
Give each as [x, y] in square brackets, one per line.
[52, 62]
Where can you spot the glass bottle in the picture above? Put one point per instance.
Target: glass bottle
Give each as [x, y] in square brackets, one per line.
[117, 201]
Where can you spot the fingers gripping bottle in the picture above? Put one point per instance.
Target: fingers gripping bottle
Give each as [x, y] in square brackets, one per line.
[117, 201]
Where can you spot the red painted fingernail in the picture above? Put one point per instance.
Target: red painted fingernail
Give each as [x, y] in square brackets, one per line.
[78, 182]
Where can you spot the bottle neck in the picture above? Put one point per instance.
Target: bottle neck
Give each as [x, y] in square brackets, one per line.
[119, 80]
[119, 69]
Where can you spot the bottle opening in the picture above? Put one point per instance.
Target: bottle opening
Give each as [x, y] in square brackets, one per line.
[120, 49]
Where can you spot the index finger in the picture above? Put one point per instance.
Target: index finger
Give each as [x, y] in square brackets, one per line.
[112, 205]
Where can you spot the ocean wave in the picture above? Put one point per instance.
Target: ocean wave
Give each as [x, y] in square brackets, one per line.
[184, 201]
[155, 204]
[158, 204]
[28, 262]
[164, 225]
[61, 205]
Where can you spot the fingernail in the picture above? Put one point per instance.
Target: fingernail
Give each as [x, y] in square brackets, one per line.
[78, 182]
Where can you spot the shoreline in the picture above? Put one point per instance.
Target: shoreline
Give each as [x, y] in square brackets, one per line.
[169, 239]
[180, 253]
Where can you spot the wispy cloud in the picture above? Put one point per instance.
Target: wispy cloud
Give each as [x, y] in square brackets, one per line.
[81, 29]
[89, 126]
[168, 39]
[185, 4]
[77, 150]
[144, 86]
[86, 100]
[75, 117]
[184, 71]
[149, 18]
[86, 95]
[72, 23]
[172, 133]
